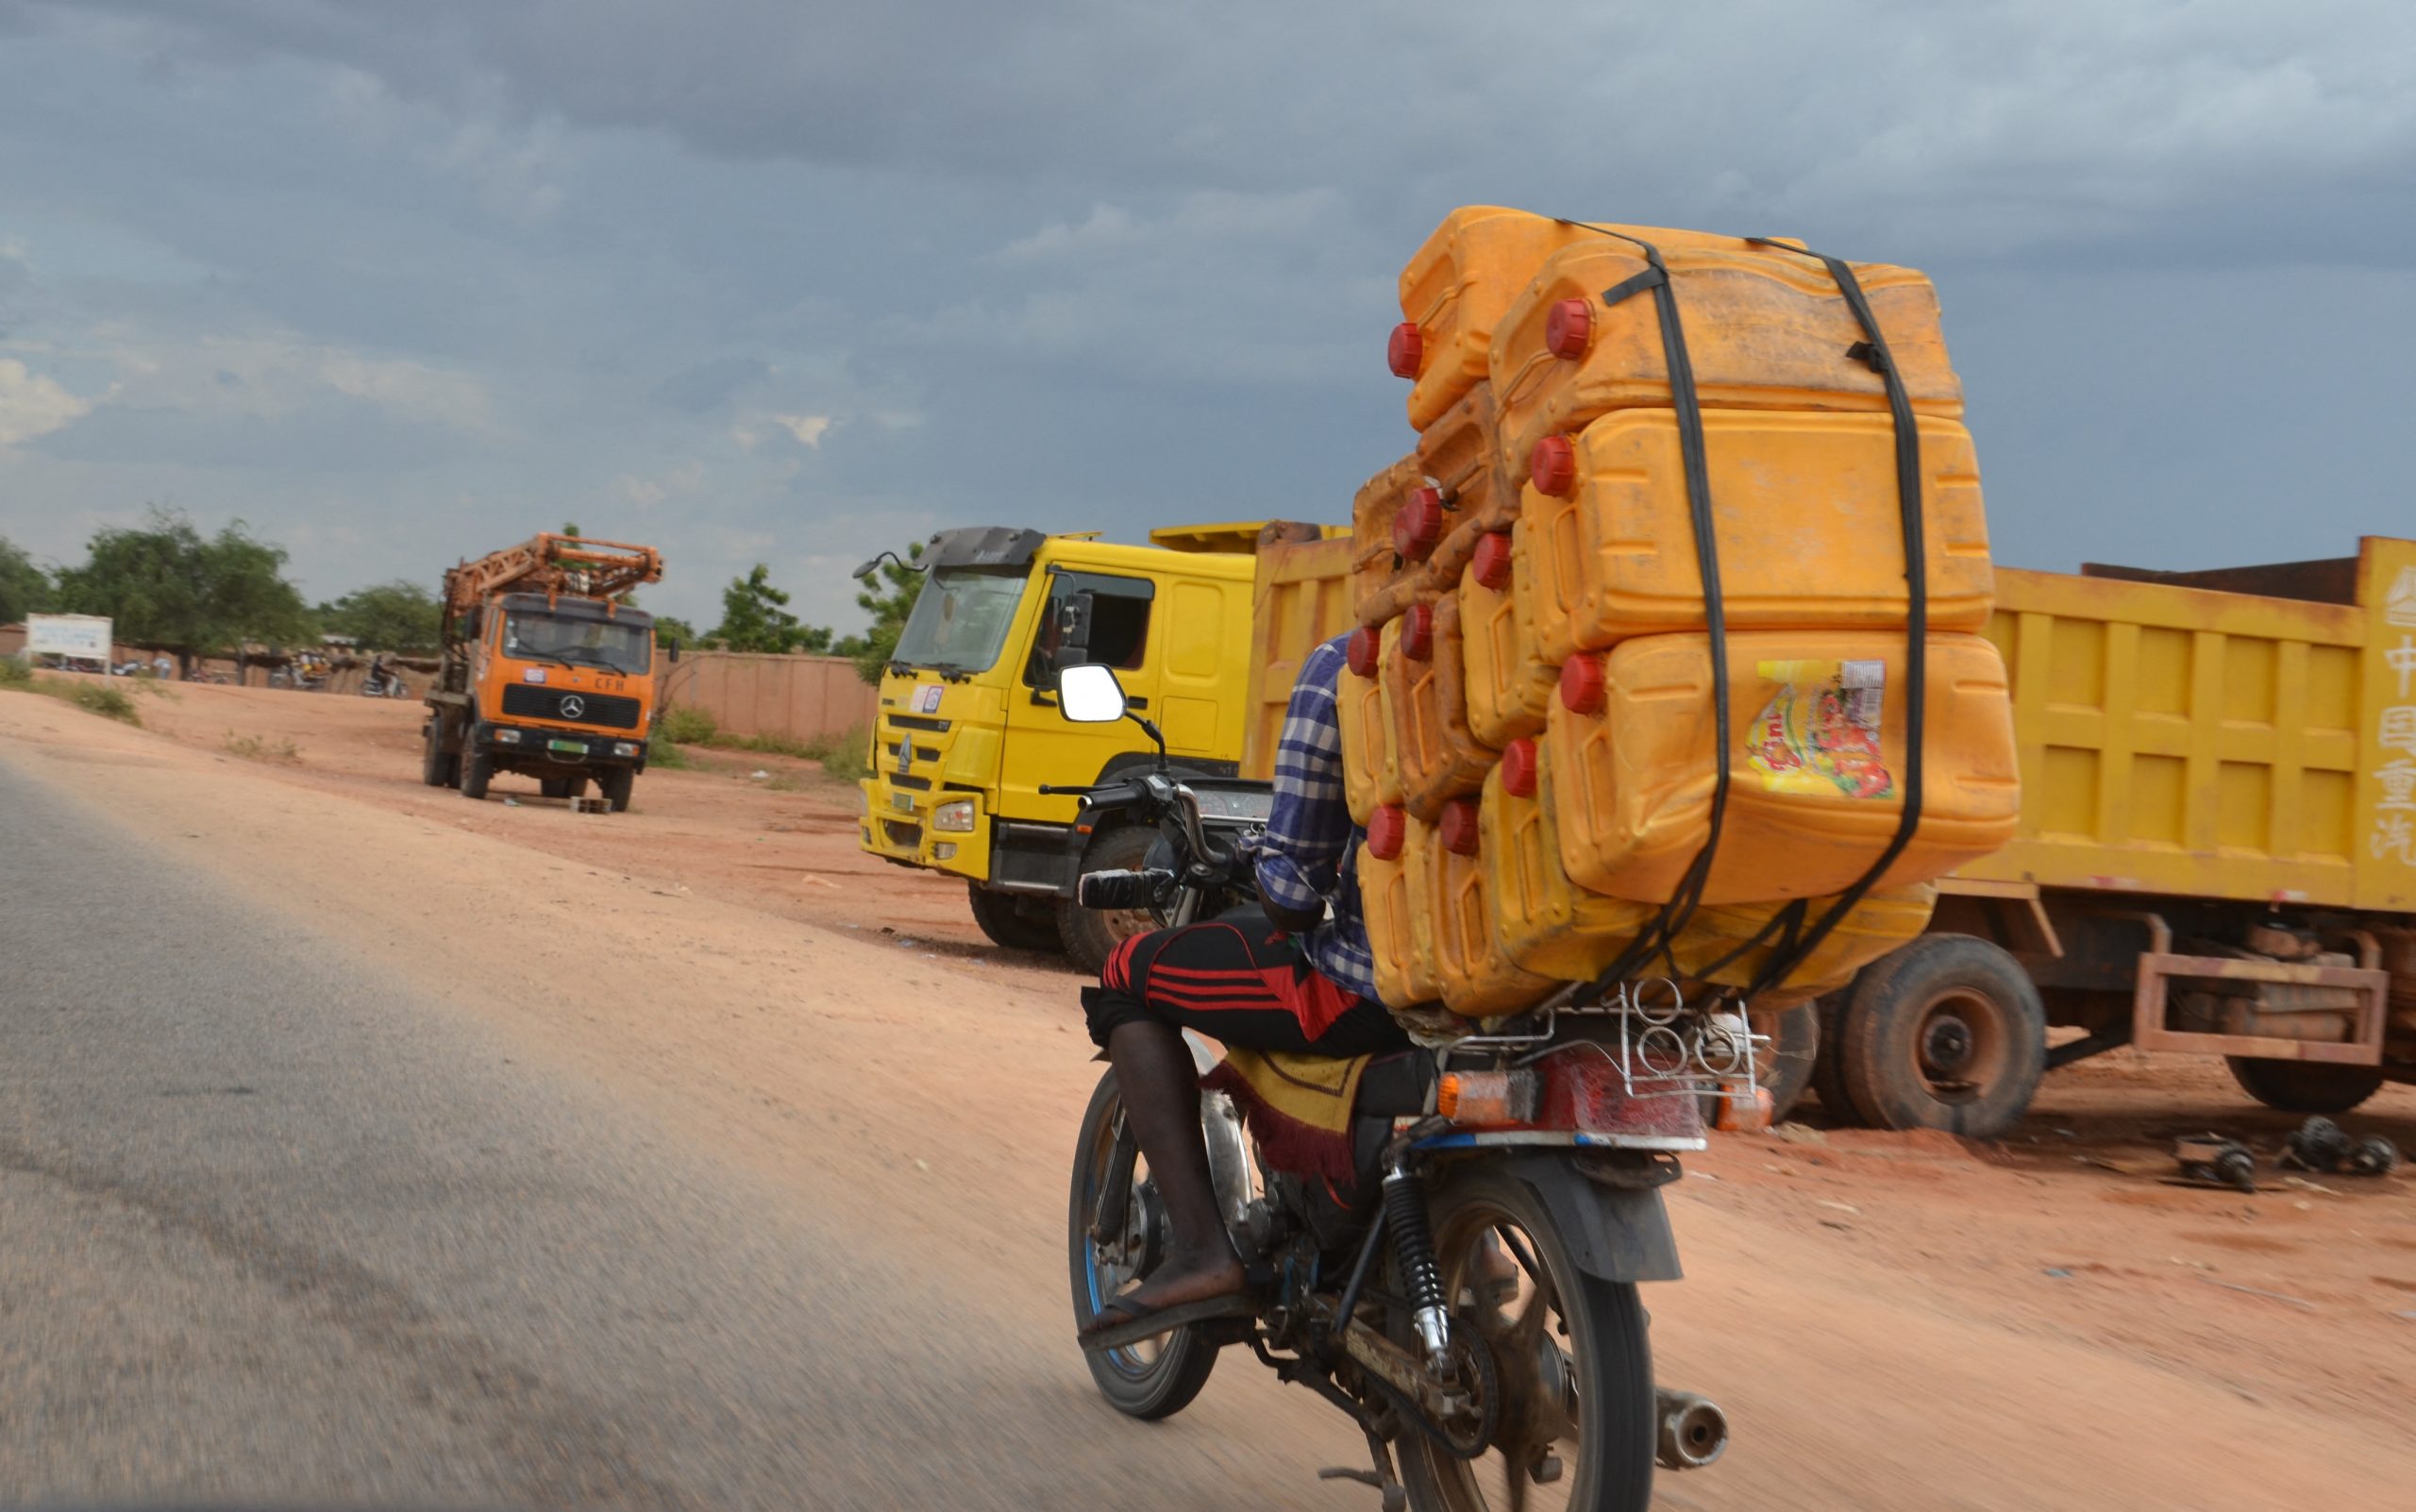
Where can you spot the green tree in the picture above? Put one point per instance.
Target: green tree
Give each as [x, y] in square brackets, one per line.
[673, 630]
[888, 597]
[387, 616]
[755, 617]
[164, 585]
[25, 588]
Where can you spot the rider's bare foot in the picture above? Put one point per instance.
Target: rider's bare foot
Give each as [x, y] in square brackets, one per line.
[1182, 1279]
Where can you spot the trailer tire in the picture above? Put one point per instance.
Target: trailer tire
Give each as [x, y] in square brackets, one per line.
[1013, 921]
[2304, 1086]
[1090, 934]
[478, 770]
[616, 786]
[1947, 1032]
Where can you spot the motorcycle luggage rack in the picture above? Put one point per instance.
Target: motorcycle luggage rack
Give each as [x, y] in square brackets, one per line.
[1664, 1049]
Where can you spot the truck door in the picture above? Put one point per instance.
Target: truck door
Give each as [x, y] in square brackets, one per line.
[1088, 616]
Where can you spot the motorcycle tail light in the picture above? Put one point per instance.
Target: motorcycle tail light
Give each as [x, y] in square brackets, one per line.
[1486, 1098]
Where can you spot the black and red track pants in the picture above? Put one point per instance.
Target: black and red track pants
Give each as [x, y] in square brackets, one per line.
[1239, 981]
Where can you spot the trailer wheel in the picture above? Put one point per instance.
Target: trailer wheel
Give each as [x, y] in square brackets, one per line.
[1947, 1032]
[616, 786]
[2304, 1086]
[1091, 934]
[1013, 921]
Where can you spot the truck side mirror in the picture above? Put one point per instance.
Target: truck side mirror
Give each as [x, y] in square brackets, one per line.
[671, 649]
[1088, 694]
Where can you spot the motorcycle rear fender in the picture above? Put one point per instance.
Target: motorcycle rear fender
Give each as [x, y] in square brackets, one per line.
[1612, 1232]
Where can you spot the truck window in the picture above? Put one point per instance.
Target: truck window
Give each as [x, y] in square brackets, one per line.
[960, 620]
[1119, 624]
[620, 645]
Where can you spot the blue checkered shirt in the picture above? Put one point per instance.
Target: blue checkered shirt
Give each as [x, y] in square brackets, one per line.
[1308, 860]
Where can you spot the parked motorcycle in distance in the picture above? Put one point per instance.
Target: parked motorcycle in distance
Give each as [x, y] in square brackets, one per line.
[1470, 1299]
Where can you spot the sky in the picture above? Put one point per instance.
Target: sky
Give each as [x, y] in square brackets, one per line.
[401, 281]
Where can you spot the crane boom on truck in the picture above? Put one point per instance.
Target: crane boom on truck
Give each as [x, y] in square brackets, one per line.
[546, 670]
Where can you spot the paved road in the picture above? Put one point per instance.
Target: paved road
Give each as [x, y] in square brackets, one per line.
[271, 1228]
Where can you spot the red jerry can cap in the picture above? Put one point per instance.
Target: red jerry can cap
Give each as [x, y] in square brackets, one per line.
[1518, 768]
[1387, 828]
[1552, 466]
[1491, 563]
[1584, 686]
[1417, 632]
[1361, 650]
[1457, 828]
[1420, 523]
[1568, 326]
[1406, 351]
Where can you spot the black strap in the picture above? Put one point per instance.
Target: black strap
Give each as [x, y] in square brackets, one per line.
[1659, 937]
[1874, 350]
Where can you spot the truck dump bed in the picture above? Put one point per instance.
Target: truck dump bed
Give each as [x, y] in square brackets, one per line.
[2253, 740]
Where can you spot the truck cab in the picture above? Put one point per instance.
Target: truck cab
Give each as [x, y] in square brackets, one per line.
[969, 730]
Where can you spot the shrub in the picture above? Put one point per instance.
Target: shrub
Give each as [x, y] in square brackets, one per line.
[684, 726]
[661, 751]
[14, 672]
[845, 753]
[109, 702]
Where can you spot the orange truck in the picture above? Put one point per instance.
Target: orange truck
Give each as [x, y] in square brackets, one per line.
[2215, 850]
[547, 671]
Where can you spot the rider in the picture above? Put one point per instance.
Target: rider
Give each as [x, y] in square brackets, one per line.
[1298, 977]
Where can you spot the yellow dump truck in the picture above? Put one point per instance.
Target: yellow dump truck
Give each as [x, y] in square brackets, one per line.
[968, 732]
[2216, 852]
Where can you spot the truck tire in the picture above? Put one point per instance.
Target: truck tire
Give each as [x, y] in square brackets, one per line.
[1090, 934]
[2304, 1086]
[616, 786]
[438, 767]
[1828, 1061]
[1014, 922]
[1947, 1032]
[478, 770]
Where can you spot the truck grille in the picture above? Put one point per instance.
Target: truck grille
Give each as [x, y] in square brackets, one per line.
[604, 711]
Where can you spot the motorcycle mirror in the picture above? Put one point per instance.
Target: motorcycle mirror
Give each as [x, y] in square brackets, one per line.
[866, 571]
[1089, 694]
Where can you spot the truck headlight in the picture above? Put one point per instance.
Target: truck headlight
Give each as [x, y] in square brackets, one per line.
[623, 747]
[507, 737]
[954, 818]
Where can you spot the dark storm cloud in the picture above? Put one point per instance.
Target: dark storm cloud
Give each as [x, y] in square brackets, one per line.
[788, 282]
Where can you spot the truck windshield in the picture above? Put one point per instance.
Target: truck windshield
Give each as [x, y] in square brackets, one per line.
[960, 620]
[614, 644]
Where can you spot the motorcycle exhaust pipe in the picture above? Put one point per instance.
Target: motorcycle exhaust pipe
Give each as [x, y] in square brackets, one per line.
[1694, 1432]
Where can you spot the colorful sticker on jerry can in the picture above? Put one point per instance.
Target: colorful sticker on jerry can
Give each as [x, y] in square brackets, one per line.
[1818, 733]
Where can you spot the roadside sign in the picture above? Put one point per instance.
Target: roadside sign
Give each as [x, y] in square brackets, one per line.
[84, 637]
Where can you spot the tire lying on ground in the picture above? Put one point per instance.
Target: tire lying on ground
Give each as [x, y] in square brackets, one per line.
[2304, 1086]
[1947, 1032]
[1016, 923]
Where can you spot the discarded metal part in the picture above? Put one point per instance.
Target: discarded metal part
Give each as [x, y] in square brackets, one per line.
[2213, 1158]
[2318, 1145]
[2376, 1156]
[1694, 1432]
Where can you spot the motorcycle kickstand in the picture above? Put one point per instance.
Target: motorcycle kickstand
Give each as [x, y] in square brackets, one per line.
[1396, 1499]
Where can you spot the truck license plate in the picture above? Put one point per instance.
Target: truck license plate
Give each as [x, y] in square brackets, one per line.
[577, 747]
[903, 803]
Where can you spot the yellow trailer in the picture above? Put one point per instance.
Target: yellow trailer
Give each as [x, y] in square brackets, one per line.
[2217, 850]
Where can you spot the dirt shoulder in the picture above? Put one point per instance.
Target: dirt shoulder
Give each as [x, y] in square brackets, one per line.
[1893, 1321]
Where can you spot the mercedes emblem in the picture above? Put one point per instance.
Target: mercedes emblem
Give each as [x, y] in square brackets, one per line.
[573, 706]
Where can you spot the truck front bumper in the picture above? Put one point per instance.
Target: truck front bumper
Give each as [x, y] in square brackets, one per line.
[940, 831]
[567, 747]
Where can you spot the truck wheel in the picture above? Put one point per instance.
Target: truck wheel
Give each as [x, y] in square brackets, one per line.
[1089, 934]
[2304, 1086]
[1828, 1063]
[1947, 1032]
[438, 767]
[616, 786]
[1018, 923]
[478, 770]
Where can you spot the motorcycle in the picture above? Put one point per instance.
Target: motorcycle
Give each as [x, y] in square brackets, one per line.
[381, 682]
[1469, 1298]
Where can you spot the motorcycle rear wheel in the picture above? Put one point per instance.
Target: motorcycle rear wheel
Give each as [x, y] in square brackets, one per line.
[1574, 1362]
[1159, 1377]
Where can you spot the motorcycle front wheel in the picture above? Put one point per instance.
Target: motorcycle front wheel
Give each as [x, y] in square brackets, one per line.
[1575, 1368]
[1157, 1377]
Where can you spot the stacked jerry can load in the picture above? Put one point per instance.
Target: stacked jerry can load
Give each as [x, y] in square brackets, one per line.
[1641, 685]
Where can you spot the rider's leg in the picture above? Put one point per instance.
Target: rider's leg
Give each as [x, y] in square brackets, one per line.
[1160, 1092]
